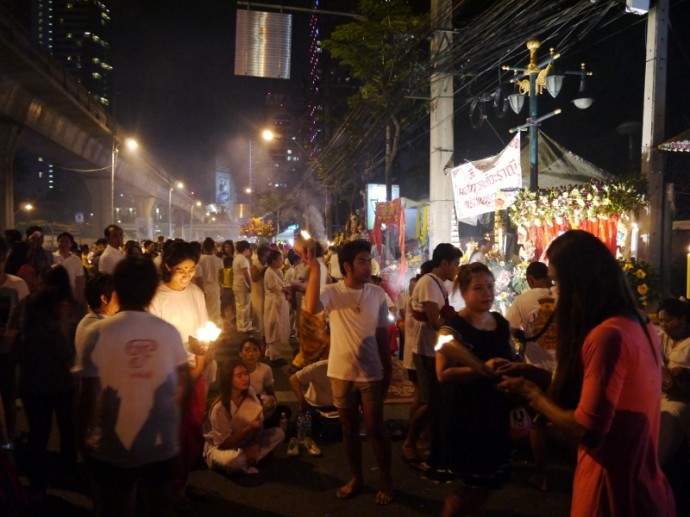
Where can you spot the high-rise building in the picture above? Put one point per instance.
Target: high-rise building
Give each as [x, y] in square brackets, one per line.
[77, 33]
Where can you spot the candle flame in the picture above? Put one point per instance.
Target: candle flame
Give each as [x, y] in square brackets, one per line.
[442, 340]
[208, 333]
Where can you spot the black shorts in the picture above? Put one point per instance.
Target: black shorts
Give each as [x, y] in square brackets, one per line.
[427, 382]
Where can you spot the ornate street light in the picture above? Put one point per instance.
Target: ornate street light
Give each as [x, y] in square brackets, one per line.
[531, 81]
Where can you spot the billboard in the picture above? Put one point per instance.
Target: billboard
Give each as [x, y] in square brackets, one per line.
[222, 191]
[262, 44]
[376, 193]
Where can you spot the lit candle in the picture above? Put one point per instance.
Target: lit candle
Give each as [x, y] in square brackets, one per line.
[687, 275]
[634, 238]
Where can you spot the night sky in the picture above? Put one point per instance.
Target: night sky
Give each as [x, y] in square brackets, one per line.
[175, 87]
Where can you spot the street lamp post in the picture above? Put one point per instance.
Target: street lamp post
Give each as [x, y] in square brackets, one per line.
[531, 80]
[27, 207]
[131, 145]
[191, 219]
[179, 185]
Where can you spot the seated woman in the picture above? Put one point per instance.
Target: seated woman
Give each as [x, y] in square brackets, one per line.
[674, 319]
[235, 438]
[261, 380]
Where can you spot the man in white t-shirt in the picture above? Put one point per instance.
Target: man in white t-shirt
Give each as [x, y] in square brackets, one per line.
[113, 252]
[522, 311]
[427, 302]
[241, 286]
[359, 363]
[134, 374]
[312, 387]
[75, 269]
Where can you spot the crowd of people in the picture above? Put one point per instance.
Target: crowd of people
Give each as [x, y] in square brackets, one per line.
[105, 340]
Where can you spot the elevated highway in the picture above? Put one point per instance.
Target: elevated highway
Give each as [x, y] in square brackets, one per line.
[44, 110]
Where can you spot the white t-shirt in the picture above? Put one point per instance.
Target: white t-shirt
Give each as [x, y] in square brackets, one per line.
[186, 310]
[354, 354]
[109, 259]
[83, 328]
[74, 268]
[675, 355]
[519, 316]
[314, 376]
[423, 336]
[239, 282]
[210, 266]
[260, 378]
[524, 305]
[135, 356]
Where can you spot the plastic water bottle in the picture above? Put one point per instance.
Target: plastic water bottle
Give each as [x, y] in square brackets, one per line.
[306, 424]
[300, 428]
[283, 422]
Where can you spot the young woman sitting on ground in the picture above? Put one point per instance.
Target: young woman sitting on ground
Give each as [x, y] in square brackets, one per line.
[236, 440]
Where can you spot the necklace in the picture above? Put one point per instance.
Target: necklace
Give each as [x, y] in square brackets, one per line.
[358, 307]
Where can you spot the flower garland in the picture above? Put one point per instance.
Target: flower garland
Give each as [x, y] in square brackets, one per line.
[257, 227]
[641, 278]
[573, 204]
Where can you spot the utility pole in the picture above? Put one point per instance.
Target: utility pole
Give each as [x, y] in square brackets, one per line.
[655, 246]
[441, 207]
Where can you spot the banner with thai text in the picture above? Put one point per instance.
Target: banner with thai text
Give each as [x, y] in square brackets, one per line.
[488, 184]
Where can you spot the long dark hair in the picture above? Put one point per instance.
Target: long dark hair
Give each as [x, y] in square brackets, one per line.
[591, 289]
[225, 374]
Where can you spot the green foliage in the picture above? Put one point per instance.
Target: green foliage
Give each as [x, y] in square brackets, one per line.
[380, 52]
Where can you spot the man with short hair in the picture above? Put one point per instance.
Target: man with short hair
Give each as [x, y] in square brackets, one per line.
[427, 303]
[73, 264]
[522, 311]
[134, 376]
[522, 315]
[113, 253]
[38, 258]
[360, 363]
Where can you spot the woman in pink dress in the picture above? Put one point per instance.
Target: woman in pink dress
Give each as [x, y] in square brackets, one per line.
[607, 385]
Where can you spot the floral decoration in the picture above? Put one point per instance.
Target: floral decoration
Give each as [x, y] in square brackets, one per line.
[572, 204]
[642, 279]
[509, 279]
[257, 227]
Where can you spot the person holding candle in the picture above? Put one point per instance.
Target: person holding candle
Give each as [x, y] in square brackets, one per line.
[181, 303]
[606, 390]
[473, 440]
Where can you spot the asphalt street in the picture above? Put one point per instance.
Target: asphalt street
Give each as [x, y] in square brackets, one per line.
[306, 485]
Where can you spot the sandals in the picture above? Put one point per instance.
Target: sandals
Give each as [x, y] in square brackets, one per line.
[293, 447]
[311, 447]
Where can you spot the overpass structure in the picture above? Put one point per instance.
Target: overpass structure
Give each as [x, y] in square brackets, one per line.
[44, 110]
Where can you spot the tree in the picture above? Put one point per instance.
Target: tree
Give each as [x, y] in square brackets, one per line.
[382, 52]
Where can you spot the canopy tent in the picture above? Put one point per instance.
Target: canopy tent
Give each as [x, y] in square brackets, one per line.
[558, 166]
[679, 143]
